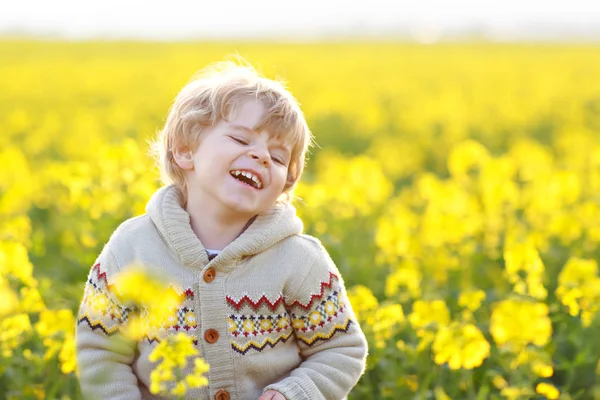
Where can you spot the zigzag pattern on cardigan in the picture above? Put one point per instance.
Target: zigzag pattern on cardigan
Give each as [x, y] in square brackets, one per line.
[253, 345]
[100, 311]
[263, 300]
[267, 323]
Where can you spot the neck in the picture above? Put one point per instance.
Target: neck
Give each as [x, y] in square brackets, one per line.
[215, 230]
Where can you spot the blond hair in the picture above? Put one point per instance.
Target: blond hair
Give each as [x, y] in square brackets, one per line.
[211, 96]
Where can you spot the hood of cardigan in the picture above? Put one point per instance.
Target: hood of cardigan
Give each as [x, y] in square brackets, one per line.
[173, 222]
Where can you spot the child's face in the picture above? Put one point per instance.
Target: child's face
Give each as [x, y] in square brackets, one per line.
[230, 150]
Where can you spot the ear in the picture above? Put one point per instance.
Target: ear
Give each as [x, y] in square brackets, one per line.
[184, 157]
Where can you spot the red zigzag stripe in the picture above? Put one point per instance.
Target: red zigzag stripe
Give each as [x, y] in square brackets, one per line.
[102, 276]
[263, 300]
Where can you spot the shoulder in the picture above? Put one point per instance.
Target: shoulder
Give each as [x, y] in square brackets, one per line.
[131, 238]
[303, 247]
[319, 267]
[130, 228]
[309, 245]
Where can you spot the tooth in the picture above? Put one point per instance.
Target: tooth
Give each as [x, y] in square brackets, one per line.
[245, 174]
[255, 179]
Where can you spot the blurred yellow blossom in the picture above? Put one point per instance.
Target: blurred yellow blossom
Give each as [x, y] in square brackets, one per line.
[404, 281]
[466, 156]
[471, 299]
[13, 330]
[504, 165]
[67, 356]
[523, 259]
[395, 231]
[579, 288]
[172, 355]
[516, 392]
[31, 300]
[8, 298]
[359, 182]
[56, 328]
[429, 314]
[518, 323]
[387, 319]
[140, 290]
[499, 382]
[363, 302]
[15, 262]
[461, 346]
[542, 369]
[547, 390]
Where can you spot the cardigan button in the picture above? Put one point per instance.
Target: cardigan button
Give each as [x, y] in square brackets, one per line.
[211, 335]
[209, 275]
[222, 395]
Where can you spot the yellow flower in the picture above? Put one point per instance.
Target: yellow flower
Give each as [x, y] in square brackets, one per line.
[139, 289]
[547, 390]
[31, 300]
[404, 281]
[523, 258]
[350, 199]
[542, 369]
[471, 299]
[14, 262]
[579, 288]
[67, 356]
[461, 346]
[138, 286]
[520, 322]
[427, 314]
[12, 332]
[499, 382]
[395, 238]
[8, 299]
[465, 156]
[179, 389]
[197, 379]
[53, 322]
[387, 318]
[363, 302]
[173, 354]
[516, 393]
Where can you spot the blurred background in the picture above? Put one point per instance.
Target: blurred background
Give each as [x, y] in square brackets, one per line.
[456, 181]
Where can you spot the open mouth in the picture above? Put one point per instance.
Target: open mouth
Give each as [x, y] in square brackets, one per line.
[247, 177]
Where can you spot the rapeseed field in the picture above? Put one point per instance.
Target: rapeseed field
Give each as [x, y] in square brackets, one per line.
[456, 186]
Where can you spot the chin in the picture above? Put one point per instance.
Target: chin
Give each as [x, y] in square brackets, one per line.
[242, 207]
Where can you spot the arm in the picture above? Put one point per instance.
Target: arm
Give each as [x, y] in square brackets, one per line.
[104, 358]
[330, 340]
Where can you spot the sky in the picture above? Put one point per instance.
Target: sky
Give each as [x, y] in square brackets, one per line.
[425, 20]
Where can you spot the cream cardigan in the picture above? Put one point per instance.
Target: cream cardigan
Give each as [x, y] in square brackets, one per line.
[269, 312]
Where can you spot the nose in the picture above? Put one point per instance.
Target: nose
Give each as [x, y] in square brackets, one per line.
[261, 155]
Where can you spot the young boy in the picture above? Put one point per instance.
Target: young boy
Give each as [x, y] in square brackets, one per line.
[265, 304]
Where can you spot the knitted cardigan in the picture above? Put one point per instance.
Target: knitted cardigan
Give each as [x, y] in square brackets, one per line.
[274, 302]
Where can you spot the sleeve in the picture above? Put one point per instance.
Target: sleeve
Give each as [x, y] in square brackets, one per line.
[104, 358]
[331, 343]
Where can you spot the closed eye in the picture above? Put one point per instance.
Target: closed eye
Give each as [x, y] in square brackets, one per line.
[240, 141]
